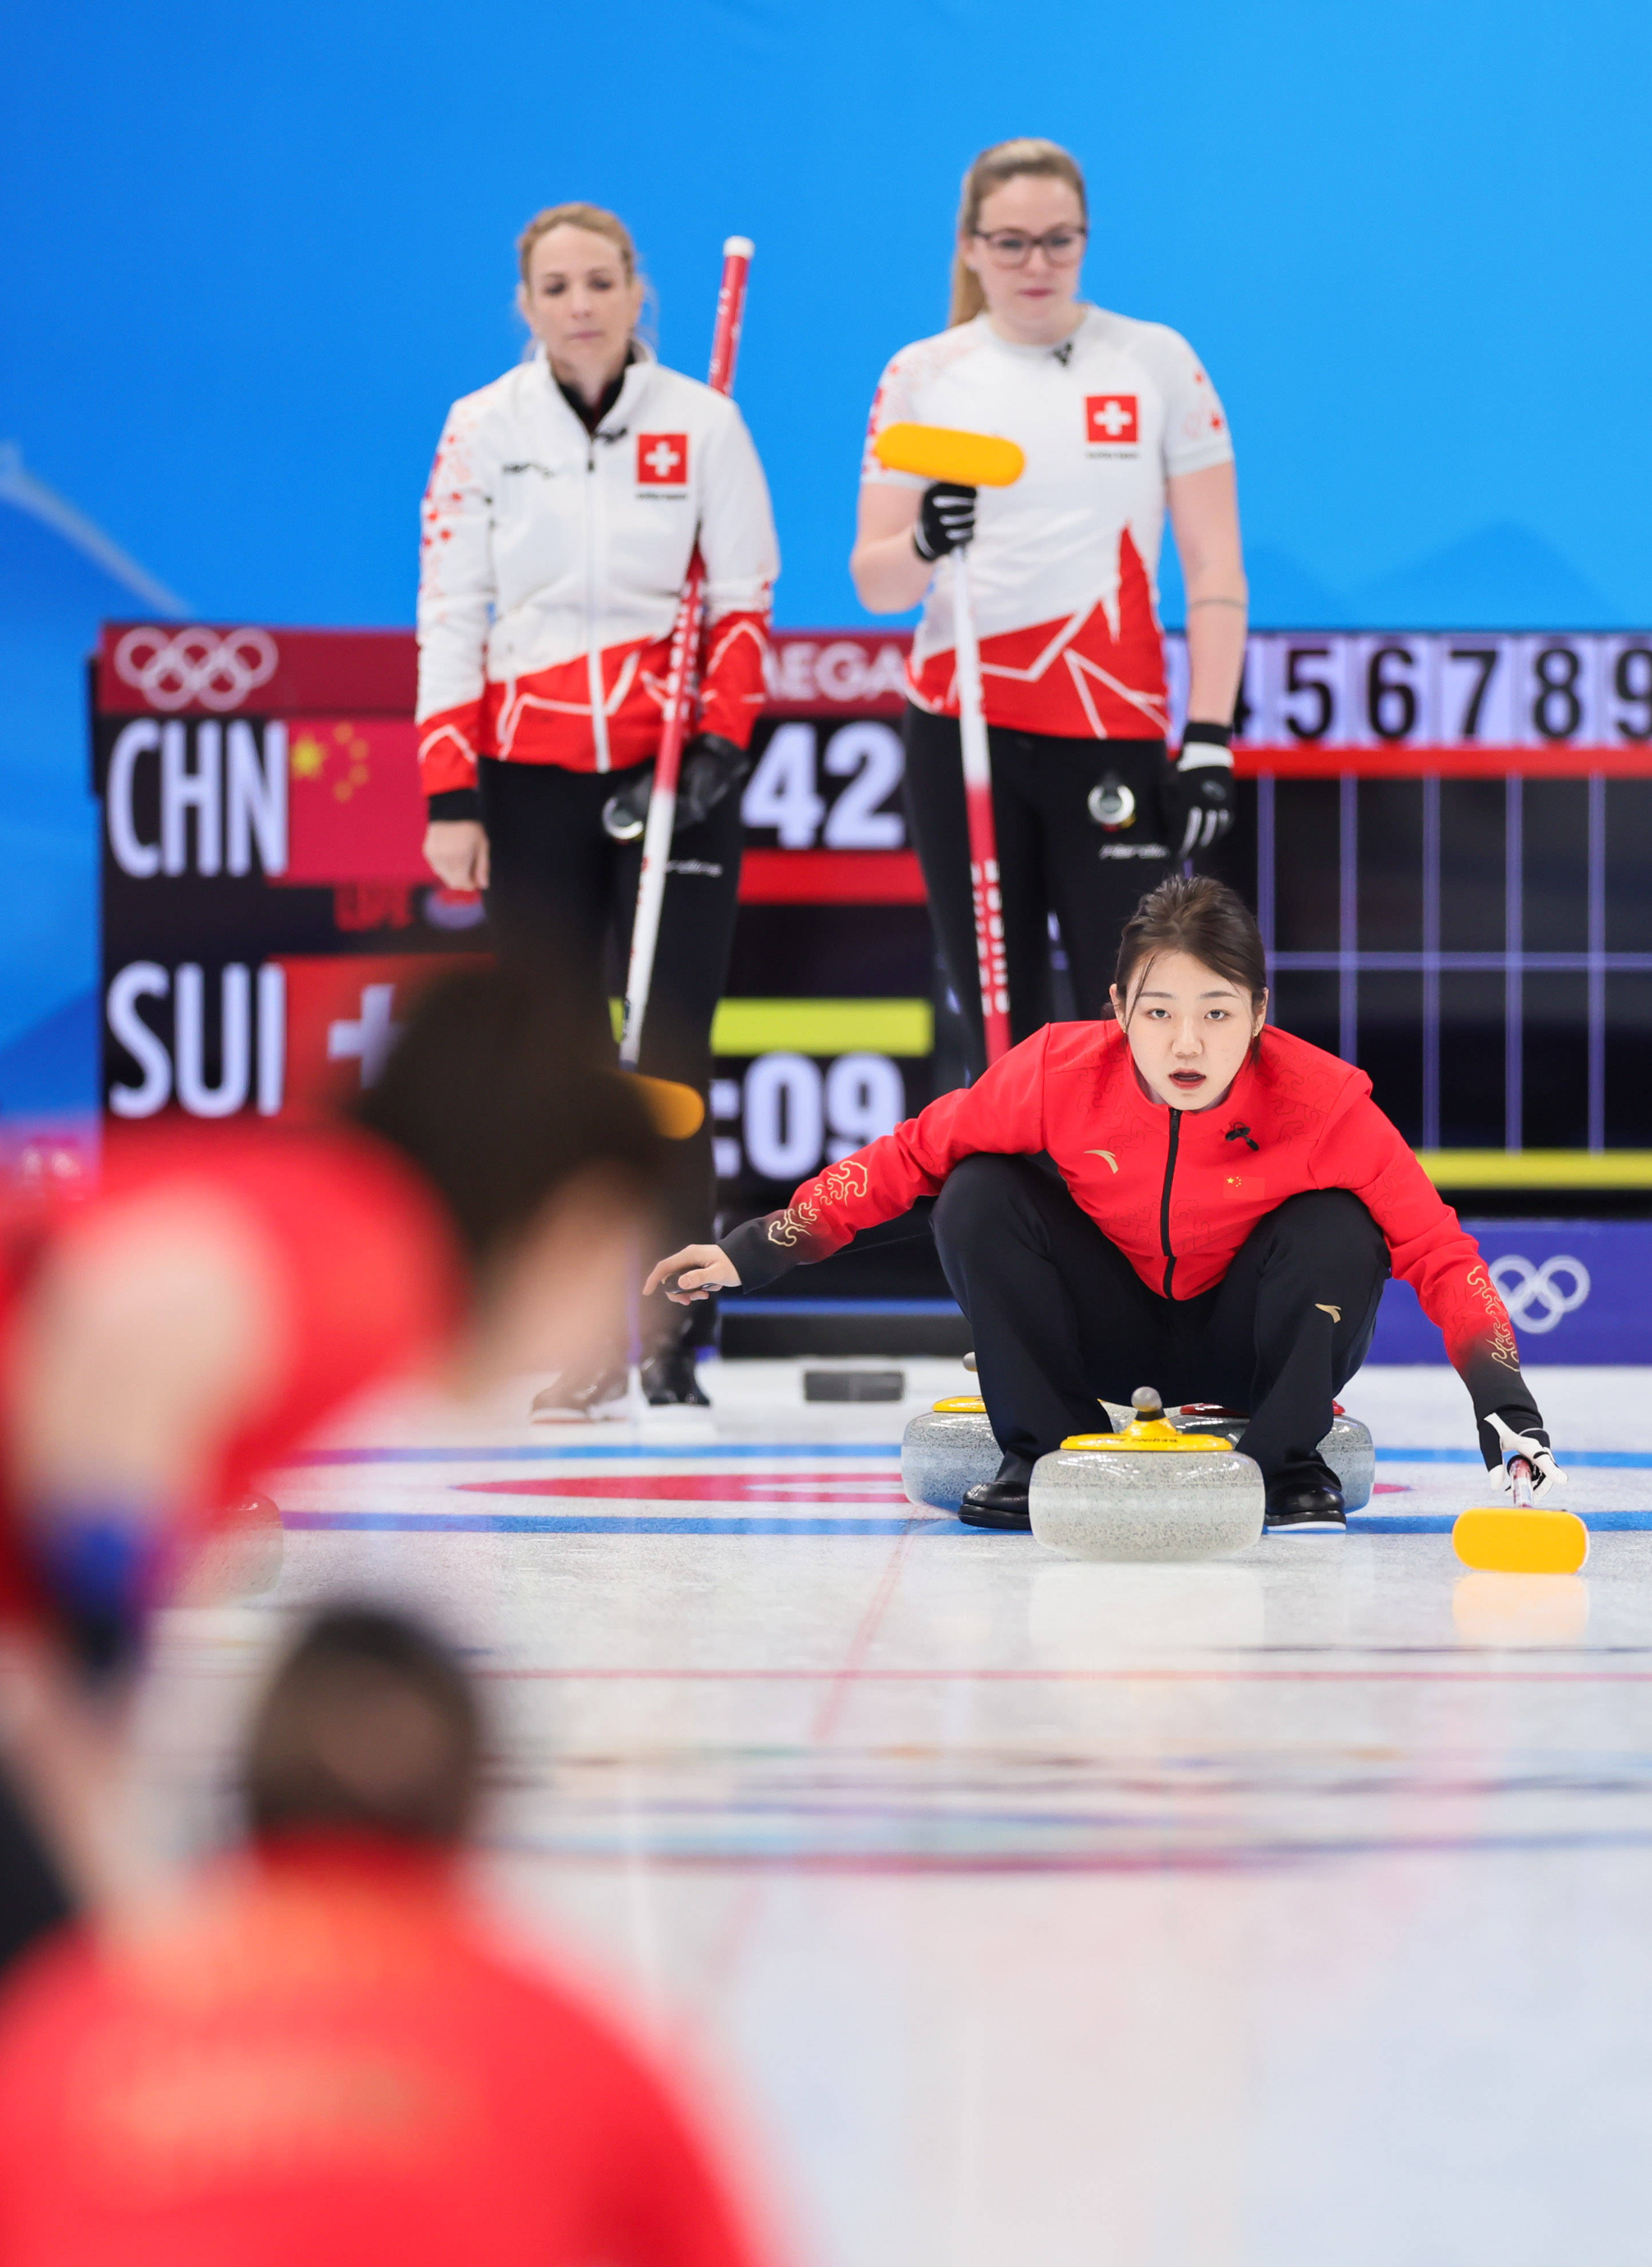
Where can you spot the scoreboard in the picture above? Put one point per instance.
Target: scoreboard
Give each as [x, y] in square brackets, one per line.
[267, 915]
[1453, 703]
[1446, 836]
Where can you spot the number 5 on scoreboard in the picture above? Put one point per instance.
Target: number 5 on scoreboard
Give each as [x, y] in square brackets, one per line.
[1316, 720]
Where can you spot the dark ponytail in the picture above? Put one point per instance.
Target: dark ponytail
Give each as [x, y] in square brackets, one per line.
[1203, 918]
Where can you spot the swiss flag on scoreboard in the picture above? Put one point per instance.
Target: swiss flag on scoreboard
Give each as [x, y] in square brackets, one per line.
[344, 1013]
[663, 461]
[1110, 417]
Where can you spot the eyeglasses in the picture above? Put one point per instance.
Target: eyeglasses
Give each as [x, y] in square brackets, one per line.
[1013, 248]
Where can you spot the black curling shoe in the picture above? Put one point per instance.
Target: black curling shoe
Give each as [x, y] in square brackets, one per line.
[1305, 1508]
[997, 1503]
[670, 1380]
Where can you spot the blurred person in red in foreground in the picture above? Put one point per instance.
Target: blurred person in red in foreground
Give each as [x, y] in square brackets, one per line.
[221, 1294]
[319, 2053]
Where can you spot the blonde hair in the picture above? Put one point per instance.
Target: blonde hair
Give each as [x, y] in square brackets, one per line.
[595, 219]
[991, 171]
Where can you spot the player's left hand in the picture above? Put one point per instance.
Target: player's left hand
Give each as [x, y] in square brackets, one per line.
[1549, 1481]
[1202, 797]
[711, 767]
[692, 1273]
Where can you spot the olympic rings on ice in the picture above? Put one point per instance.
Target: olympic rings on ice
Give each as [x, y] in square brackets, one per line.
[1534, 1298]
[213, 668]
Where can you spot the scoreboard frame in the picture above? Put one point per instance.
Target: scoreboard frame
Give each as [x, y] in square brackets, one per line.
[1446, 836]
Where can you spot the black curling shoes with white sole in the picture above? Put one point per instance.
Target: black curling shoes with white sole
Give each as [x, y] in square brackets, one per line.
[1305, 1508]
[671, 1381]
[1001, 1501]
[997, 1503]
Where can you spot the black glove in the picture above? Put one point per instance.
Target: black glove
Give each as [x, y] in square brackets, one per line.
[945, 520]
[711, 767]
[1202, 788]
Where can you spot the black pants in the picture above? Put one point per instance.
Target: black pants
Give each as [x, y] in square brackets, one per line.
[1061, 1320]
[1052, 857]
[562, 893]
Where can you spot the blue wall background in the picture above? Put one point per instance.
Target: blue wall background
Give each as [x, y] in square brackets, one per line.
[248, 258]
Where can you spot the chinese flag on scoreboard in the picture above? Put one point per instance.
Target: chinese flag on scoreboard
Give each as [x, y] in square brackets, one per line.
[353, 810]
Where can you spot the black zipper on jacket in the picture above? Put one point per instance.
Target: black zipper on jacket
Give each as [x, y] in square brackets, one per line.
[1164, 1201]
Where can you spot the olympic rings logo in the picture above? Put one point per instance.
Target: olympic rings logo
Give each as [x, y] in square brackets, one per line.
[1534, 1298]
[211, 669]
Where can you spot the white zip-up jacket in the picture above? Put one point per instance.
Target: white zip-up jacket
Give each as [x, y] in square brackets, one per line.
[1063, 563]
[552, 563]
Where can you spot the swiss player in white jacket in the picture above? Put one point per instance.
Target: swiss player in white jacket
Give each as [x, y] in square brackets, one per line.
[563, 508]
[1120, 428]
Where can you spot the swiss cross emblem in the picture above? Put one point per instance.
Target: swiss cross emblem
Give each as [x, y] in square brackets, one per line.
[662, 460]
[1110, 417]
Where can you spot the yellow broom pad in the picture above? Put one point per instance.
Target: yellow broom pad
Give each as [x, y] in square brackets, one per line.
[940, 452]
[676, 1110]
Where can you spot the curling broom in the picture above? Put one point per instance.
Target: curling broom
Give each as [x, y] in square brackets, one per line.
[679, 701]
[976, 460]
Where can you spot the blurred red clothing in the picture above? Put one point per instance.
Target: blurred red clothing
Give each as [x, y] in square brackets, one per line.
[322, 2056]
[360, 1266]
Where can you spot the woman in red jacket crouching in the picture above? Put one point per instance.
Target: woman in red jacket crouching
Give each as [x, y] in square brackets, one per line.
[1226, 1206]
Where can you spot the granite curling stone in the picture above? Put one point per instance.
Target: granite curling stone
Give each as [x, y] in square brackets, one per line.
[1348, 1448]
[240, 1558]
[1151, 1492]
[946, 1450]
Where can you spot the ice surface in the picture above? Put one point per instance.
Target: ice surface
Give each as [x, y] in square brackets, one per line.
[1287, 1909]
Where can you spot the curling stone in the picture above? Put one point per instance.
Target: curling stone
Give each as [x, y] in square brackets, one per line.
[1348, 1447]
[946, 1450]
[1150, 1492]
[241, 1558]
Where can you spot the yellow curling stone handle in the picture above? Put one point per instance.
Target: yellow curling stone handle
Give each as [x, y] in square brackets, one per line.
[1518, 1538]
[961, 1404]
[1151, 1433]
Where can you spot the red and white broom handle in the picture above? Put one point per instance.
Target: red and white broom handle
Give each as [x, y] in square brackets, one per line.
[679, 692]
[984, 886]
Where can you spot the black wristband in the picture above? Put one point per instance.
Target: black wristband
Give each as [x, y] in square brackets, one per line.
[455, 803]
[1210, 736]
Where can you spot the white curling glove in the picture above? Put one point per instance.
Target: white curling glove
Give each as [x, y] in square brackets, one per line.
[1549, 1481]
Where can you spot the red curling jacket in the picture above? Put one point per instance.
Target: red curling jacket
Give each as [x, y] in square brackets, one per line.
[1178, 1192]
[320, 2054]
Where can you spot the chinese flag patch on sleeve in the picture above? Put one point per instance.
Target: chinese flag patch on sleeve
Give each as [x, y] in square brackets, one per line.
[663, 461]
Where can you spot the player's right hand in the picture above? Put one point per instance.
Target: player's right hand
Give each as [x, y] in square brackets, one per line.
[945, 519]
[455, 851]
[698, 1269]
[1203, 800]
[1549, 1481]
